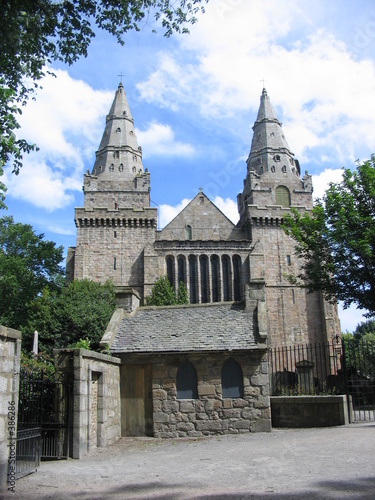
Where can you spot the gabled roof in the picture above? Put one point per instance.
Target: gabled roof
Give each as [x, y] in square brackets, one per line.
[191, 328]
[206, 220]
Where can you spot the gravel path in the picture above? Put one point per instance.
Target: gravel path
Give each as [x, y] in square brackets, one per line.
[336, 462]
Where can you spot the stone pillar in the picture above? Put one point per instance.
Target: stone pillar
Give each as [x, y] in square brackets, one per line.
[96, 408]
[10, 352]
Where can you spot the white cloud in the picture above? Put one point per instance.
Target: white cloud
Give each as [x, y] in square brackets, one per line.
[321, 182]
[169, 212]
[66, 122]
[228, 207]
[159, 140]
[320, 86]
[42, 186]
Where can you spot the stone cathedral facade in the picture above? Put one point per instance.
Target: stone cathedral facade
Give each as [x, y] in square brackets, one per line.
[117, 236]
[200, 368]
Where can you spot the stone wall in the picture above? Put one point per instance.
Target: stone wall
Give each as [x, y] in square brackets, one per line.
[211, 414]
[294, 316]
[110, 245]
[10, 352]
[309, 411]
[95, 416]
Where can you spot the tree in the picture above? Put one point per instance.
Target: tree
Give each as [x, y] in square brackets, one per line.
[28, 264]
[182, 295]
[35, 33]
[337, 240]
[162, 294]
[79, 311]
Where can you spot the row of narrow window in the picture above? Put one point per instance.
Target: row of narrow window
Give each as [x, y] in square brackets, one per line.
[207, 279]
[231, 380]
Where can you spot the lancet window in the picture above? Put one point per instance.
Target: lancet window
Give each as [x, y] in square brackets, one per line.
[208, 278]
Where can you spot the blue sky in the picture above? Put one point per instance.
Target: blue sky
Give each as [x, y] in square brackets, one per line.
[194, 99]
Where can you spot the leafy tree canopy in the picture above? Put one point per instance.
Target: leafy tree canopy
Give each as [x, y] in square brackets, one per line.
[337, 240]
[76, 316]
[35, 33]
[28, 264]
[162, 294]
[365, 327]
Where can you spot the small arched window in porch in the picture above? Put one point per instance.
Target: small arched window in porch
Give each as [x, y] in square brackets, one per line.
[231, 379]
[187, 381]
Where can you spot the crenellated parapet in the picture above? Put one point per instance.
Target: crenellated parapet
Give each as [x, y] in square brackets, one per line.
[122, 218]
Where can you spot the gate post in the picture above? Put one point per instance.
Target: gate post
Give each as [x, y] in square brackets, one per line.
[10, 353]
[345, 372]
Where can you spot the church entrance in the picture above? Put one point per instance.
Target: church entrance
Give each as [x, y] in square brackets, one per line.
[136, 400]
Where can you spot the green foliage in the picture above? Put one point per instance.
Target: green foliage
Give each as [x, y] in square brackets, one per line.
[28, 264]
[364, 327]
[78, 314]
[162, 294]
[39, 363]
[81, 344]
[360, 352]
[35, 33]
[182, 295]
[337, 241]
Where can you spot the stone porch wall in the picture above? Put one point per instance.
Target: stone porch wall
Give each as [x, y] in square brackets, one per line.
[95, 409]
[10, 353]
[211, 414]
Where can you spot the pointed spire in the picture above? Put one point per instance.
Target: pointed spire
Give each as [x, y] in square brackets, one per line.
[269, 144]
[119, 155]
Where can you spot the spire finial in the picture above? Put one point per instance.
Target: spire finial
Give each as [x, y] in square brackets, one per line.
[263, 82]
[120, 75]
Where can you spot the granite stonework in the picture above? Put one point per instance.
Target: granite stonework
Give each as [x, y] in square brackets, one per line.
[155, 341]
[309, 411]
[96, 389]
[211, 414]
[118, 237]
[10, 356]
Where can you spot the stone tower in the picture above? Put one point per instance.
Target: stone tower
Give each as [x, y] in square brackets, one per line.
[218, 262]
[272, 186]
[116, 221]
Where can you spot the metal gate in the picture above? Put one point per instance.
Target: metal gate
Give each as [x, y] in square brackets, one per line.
[43, 419]
[359, 355]
[343, 366]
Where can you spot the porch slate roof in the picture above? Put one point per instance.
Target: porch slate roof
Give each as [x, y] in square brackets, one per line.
[190, 328]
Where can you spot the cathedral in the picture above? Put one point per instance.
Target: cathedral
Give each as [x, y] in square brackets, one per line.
[200, 368]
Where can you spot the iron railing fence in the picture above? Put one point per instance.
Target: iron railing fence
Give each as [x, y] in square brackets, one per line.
[343, 366]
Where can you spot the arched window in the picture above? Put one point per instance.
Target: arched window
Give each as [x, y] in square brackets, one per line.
[181, 269]
[226, 277]
[187, 381]
[188, 232]
[231, 379]
[192, 278]
[282, 196]
[170, 269]
[215, 278]
[237, 277]
[203, 261]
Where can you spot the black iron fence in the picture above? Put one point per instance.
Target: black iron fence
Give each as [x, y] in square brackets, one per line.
[343, 366]
[43, 419]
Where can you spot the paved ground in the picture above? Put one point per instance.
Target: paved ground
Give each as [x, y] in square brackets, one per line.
[327, 463]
